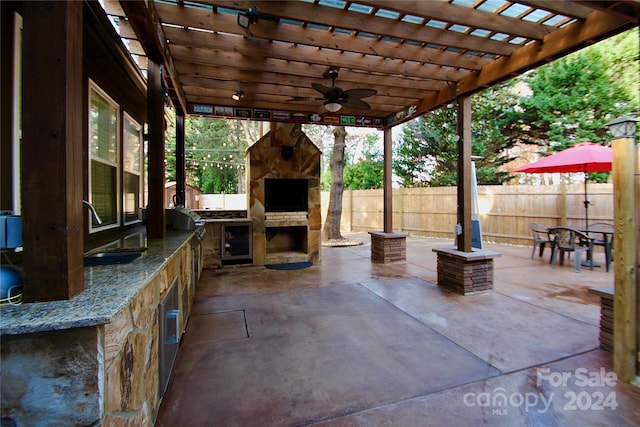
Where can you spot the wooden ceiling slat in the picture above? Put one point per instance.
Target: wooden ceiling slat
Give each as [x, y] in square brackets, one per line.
[125, 29]
[306, 90]
[283, 97]
[324, 15]
[566, 8]
[113, 7]
[135, 47]
[250, 89]
[196, 18]
[346, 78]
[206, 43]
[203, 56]
[286, 106]
[465, 16]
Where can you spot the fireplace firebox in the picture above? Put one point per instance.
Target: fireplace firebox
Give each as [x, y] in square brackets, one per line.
[285, 195]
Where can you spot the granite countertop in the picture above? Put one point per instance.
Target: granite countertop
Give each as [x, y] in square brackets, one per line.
[226, 220]
[108, 289]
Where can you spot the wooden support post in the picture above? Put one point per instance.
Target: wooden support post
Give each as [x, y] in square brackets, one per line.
[464, 174]
[180, 161]
[625, 267]
[53, 138]
[637, 239]
[156, 222]
[388, 189]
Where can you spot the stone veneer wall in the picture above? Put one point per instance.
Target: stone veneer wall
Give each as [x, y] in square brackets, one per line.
[104, 375]
[264, 159]
[212, 240]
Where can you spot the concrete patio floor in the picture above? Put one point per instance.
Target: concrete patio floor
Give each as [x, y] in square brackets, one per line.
[350, 343]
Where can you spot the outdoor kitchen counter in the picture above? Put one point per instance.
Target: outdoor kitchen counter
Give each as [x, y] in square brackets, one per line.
[108, 290]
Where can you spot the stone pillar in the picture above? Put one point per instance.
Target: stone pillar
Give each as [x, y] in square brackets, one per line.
[465, 272]
[388, 247]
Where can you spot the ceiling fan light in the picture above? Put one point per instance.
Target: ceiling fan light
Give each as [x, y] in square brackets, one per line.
[332, 106]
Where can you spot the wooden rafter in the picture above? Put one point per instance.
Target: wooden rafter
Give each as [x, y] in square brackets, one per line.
[412, 52]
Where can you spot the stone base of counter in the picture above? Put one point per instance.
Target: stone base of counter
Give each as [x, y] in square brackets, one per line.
[465, 272]
[388, 247]
[606, 315]
[103, 374]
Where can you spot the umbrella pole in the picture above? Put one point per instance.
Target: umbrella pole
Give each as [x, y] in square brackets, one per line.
[589, 261]
[586, 203]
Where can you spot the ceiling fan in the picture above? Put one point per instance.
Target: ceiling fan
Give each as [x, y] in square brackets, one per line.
[335, 97]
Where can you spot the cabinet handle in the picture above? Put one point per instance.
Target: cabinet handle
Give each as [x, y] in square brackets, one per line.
[175, 316]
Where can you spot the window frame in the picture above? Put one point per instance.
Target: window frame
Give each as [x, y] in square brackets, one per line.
[140, 173]
[94, 87]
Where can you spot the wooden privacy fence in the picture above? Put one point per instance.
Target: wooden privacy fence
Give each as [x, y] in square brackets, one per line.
[505, 210]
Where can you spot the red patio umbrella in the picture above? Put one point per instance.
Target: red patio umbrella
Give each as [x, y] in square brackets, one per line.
[583, 157]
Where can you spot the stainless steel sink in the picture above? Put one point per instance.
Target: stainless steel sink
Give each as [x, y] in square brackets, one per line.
[111, 257]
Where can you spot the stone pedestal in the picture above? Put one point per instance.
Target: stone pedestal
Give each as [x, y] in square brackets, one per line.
[465, 272]
[388, 247]
[606, 295]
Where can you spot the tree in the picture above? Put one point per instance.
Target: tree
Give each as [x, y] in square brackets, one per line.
[331, 230]
[426, 153]
[368, 171]
[621, 58]
[572, 99]
[214, 154]
[322, 136]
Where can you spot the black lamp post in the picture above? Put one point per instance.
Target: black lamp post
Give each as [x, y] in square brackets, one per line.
[622, 127]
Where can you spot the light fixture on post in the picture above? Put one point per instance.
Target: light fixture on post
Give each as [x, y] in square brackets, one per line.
[238, 95]
[244, 20]
[622, 127]
[332, 106]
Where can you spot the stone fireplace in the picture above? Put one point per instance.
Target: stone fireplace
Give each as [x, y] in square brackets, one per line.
[283, 197]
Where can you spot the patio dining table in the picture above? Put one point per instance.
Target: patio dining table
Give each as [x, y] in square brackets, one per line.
[601, 235]
[570, 239]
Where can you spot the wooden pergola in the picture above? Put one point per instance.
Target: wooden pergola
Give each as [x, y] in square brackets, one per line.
[417, 55]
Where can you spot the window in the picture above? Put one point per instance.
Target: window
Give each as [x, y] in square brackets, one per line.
[103, 157]
[132, 152]
[17, 118]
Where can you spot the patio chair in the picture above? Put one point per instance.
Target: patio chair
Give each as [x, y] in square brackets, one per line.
[603, 233]
[540, 237]
[567, 240]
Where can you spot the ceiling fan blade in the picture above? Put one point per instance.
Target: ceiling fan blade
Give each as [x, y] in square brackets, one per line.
[304, 98]
[359, 93]
[321, 88]
[355, 104]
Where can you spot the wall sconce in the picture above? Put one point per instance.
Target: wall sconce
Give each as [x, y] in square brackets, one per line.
[622, 127]
[332, 106]
[238, 95]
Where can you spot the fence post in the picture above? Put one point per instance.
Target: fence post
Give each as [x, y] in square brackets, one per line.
[563, 202]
